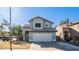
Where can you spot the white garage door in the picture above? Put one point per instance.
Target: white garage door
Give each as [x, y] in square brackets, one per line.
[42, 37]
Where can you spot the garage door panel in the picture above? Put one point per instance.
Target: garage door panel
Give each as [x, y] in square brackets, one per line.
[42, 36]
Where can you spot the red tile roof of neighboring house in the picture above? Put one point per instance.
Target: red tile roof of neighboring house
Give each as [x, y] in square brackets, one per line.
[74, 23]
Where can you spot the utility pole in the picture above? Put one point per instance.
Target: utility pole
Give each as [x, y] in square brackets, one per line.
[10, 31]
[68, 32]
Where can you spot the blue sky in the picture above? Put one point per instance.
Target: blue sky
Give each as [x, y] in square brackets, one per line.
[21, 15]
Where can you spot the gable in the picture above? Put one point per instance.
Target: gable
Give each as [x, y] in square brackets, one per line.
[35, 21]
[39, 18]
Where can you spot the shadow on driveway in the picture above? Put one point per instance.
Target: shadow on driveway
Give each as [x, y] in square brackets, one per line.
[58, 45]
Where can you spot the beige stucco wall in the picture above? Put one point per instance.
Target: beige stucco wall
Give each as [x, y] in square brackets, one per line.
[59, 31]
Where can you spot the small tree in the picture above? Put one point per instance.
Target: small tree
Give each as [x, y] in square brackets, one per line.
[16, 30]
[63, 22]
[1, 30]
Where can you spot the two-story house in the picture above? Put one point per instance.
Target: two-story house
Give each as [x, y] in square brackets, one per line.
[39, 30]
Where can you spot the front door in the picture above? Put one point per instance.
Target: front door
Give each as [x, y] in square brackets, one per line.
[65, 36]
[27, 36]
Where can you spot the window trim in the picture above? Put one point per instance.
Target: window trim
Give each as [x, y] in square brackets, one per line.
[37, 27]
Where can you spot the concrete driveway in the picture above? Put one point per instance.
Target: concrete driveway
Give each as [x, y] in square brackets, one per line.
[55, 46]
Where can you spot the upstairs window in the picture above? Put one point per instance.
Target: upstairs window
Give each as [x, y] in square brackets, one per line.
[38, 25]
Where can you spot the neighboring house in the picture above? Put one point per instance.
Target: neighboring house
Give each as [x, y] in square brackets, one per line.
[74, 30]
[62, 31]
[39, 30]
